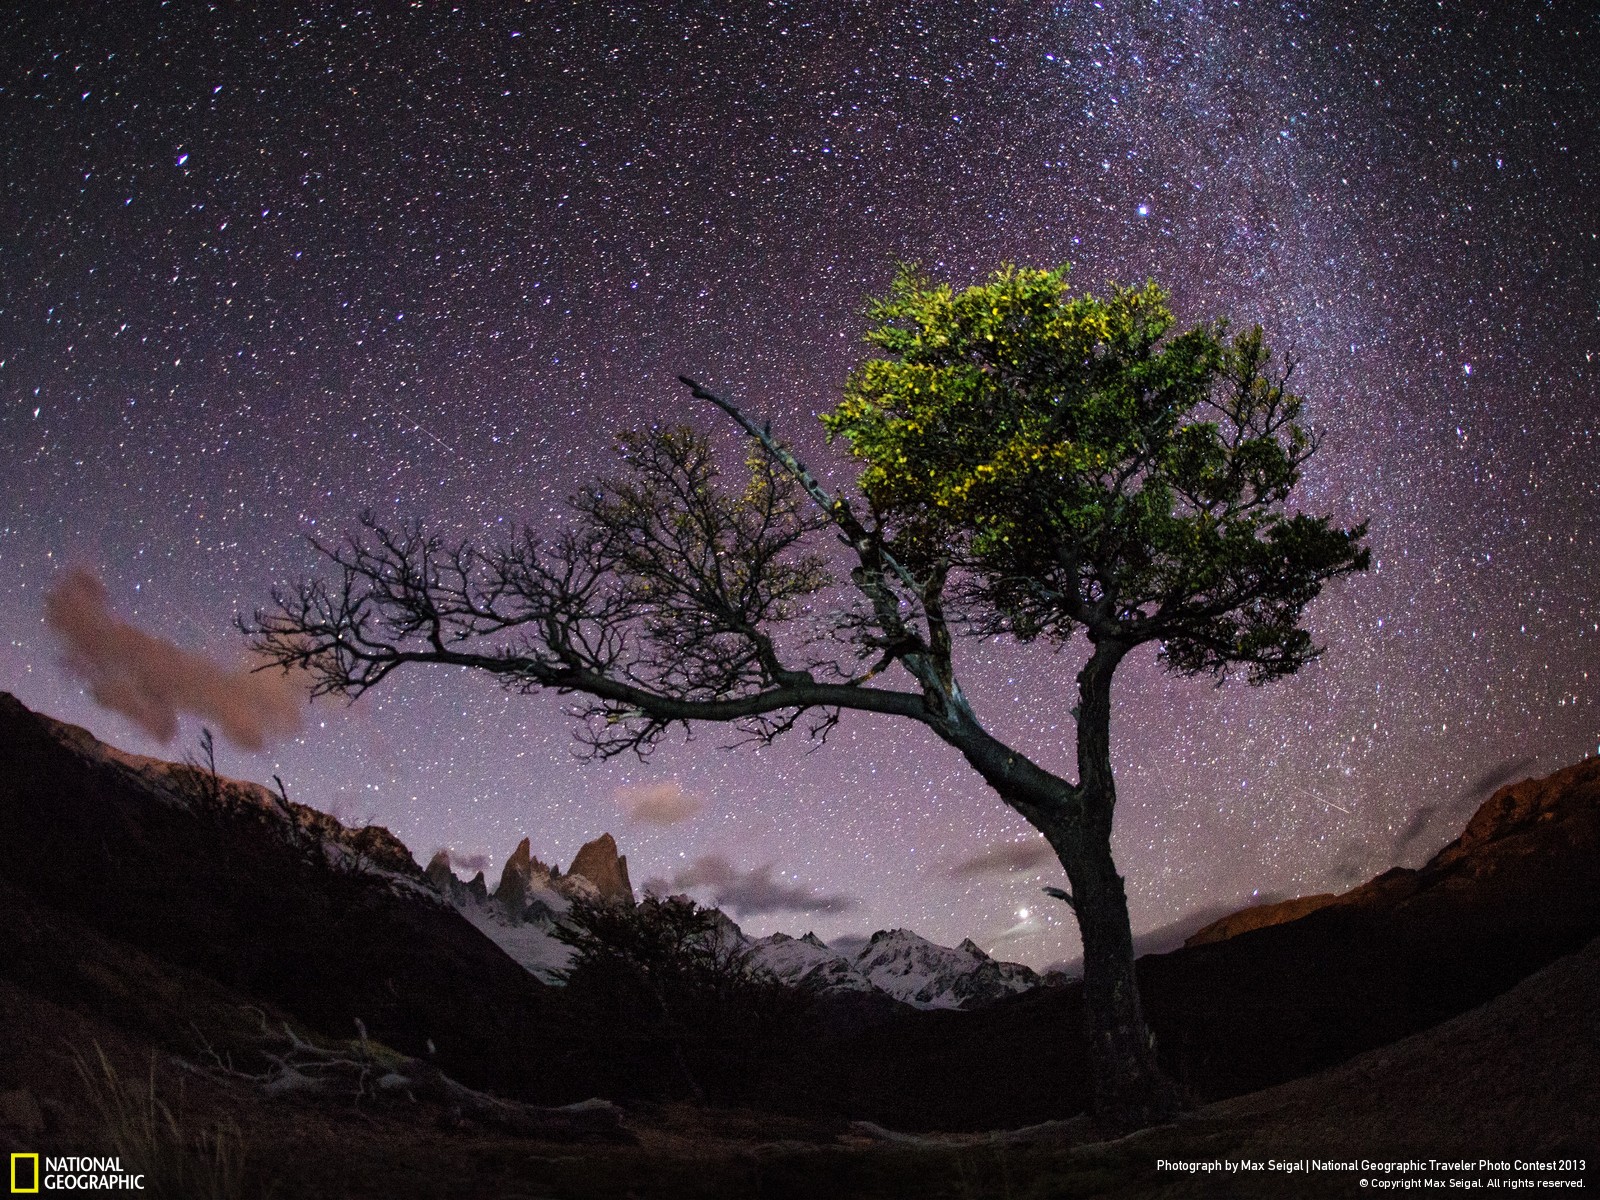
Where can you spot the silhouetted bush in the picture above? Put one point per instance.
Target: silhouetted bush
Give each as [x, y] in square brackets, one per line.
[670, 988]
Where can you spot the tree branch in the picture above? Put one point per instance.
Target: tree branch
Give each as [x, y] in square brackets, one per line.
[929, 661]
[836, 507]
[666, 603]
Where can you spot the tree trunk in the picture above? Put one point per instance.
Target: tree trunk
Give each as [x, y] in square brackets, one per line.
[1130, 1089]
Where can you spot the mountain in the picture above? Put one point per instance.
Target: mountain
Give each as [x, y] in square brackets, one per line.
[521, 914]
[155, 908]
[1525, 839]
[525, 882]
[897, 963]
[1258, 916]
[599, 863]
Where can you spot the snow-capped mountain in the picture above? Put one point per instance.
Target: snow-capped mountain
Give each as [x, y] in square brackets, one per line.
[808, 962]
[898, 963]
[919, 972]
[521, 914]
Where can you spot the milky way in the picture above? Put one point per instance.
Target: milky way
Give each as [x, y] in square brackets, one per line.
[260, 273]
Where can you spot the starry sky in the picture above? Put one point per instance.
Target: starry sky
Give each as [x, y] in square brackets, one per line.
[260, 270]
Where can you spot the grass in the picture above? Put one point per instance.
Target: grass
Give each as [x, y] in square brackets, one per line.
[179, 1162]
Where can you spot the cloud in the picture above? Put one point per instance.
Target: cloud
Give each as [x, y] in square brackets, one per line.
[1506, 771]
[467, 862]
[1502, 773]
[663, 803]
[1419, 820]
[150, 680]
[753, 892]
[1003, 858]
[1353, 863]
[1356, 860]
[1026, 926]
[849, 944]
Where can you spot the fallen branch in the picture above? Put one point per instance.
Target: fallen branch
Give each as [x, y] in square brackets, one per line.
[367, 1071]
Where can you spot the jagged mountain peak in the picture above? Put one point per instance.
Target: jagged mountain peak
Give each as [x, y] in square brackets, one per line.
[516, 882]
[896, 936]
[599, 863]
[911, 968]
[972, 948]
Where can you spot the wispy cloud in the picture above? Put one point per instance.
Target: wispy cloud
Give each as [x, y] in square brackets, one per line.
[1003, 858]
[1470, 797]
[150, 680]
[753, 892]
[665, 803]
[1358, 858]
[1508, 771]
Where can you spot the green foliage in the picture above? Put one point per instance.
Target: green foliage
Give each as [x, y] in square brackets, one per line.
[1081, 465]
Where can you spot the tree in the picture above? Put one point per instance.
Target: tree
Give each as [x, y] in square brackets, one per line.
[675, 975]
[1033, 465]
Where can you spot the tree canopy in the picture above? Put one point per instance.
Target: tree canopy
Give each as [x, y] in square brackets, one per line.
[1082, 469]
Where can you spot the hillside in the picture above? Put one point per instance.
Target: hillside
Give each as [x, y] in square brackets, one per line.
[275, 903]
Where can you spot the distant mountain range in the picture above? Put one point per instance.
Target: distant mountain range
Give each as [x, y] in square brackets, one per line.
[521, 913]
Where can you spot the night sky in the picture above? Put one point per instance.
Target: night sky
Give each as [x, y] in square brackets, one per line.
[260, 272]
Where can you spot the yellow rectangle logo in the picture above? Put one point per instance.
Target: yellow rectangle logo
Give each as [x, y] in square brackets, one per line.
[30, 1173]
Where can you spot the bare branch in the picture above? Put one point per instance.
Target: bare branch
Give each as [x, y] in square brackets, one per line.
[837, 508]
[671, 599]
[929, 660]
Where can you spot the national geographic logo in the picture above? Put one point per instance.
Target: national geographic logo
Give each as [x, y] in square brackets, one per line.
[70, 1174]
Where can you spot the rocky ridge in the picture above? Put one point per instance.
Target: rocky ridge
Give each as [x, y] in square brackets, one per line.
[278, 905]
[520, 916]
[1512, 832]
[197, 790]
